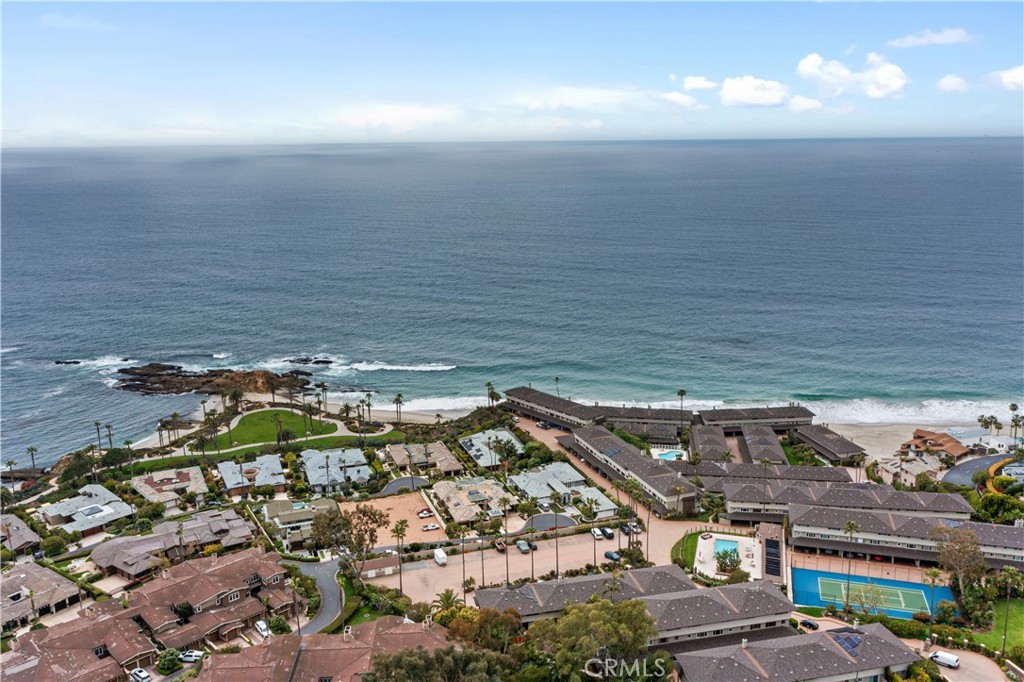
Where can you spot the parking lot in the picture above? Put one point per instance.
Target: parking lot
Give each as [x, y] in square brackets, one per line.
[403, 507]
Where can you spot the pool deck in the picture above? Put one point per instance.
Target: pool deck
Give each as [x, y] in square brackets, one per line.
[749, 550]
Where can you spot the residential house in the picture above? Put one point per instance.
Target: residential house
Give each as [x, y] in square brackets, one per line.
[16, 536]
[239, 479]
[133, 557]
[332, 471]
[1015, 471]
[167, 487]
[88, 512]
[483, 446]
[30, 591]
[466, 498]
[938, 444]
[906, 470]
[424, 457]
[294, 520]
[324, 658]
[561, 483]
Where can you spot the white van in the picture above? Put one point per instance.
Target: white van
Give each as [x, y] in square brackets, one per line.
[945, 658]
[440, 557]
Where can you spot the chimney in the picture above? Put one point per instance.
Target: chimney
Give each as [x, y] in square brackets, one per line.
[347, 634]
[743, 643]
[427, 622]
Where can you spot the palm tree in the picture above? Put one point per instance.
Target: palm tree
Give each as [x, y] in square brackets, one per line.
[10, 464]
[181, 540]
[227, 422]
[203, 403]
[682, 394]
[589, 509]
[557, 392]
[99, 440]
[932, 577]
[399, 532]
[272, 385]
[505, 501]
[1014, 419]
[446, 600]
[131, 454]
[174, 423]
[369, 403]
[455, 531]
[481, 519]
[850, 529]
[437, 418]
[398, 407]
[32, 450]
[323, 390]
[110, 435]
[490, 390]
[726, 456]
[236, 396]
[346, 409]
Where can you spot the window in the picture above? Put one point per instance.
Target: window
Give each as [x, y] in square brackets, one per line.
[100, 651]
[276, 579]
[326, 679]
[233, 596]
[199, 609]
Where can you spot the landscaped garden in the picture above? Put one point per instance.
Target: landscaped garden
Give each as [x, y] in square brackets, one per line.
[265, 426]
[1014, 633]
[685, 550]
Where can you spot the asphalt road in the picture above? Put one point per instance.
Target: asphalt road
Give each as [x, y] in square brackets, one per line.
[330, 593]
[544, 522]
[961, 473]
[404, 482]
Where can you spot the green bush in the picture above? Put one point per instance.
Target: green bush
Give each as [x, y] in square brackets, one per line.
[278, 625]
[53, 545]
[168, 662]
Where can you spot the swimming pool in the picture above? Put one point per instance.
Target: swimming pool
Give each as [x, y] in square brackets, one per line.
[726, 545]
[670, 454]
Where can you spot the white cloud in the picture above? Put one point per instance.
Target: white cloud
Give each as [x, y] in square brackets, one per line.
[394, 117]
[947, 36]
[592, 124]
[698, 83]
[850, 49]
[74, 22]
[1009, 79]
[683, 100]
[880, 79]
[748, 91]
[672, 77]
[952, 83]
[800, 104]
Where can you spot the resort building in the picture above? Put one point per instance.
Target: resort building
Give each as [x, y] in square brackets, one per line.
[30, 591]
[868, 653]
[750, 503]
[715, 475]
[646, 416]
[938, 444]
[548, 599]
[896, 536]
[16, 536]
[225, 595]
[780, 419]
[760, 443]
[424, 458]
[134, 557]
[561, 483]
[88, 512]
[906, 470]
[86, 649]
[708, 442]
[617, 460]
[294, 520]
[331, 471]
[324, 658]
[829, 445]
[167, 487]
[483, 446]
[239, 479]
[559, 411]
[654, 434]
[466, 498]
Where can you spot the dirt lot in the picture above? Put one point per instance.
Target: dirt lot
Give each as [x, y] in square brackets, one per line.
[403, 507]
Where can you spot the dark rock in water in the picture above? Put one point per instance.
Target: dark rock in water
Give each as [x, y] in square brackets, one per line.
[299, 373]
[321, 361]
[67, 362]
[159, 378]
[309, 361]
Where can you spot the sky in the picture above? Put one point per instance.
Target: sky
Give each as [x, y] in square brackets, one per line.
[94, 74]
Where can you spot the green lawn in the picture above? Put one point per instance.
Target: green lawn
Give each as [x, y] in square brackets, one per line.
[364, 614]
[790, 457]
[260, 427]
[327, 442]
[686, 549]
[815, 611]
[1014, 634]
[5, 643]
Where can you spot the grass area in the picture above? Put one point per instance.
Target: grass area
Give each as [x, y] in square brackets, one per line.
[5, 643]
[686, 549]
[260, 427]
[790, 457]
[364, 614]
[1014, 633]
[815, 611]
[329, 442]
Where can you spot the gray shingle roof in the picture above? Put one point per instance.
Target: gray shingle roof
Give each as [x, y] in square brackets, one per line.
[16, 534]
[93, 507]
[554, 403]
[727, 415]
[761, 443]
[852, 496]
[828, 440]
[708, 441]
[716, 605]
[266, 470]
[334, 467]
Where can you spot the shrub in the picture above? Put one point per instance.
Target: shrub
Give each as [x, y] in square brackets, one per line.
[6, 555]
[37, 626]
[213, 550]
[278, 625]
[168, 662]
[53, 545]
[922, 616]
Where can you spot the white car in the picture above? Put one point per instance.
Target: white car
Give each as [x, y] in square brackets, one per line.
[190, 656]
[261, 627]
[425, 514]
[596, 532]
[140, 675]
[431, 526]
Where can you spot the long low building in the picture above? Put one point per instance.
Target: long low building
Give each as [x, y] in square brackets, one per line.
[617, 460]
[869, 653]
[752, 502]
[548, 599]
[828, 444]
[543, 405]
[642, 416]
[655, 434]
[708, 442]
[760, 444]
[732, 420]
[896, 536]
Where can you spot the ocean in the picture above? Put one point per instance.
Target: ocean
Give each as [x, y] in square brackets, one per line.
[874, 281]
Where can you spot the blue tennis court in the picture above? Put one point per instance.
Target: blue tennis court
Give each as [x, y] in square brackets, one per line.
[896, 598]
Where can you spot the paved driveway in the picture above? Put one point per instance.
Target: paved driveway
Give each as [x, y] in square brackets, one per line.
[961, 473]
[410, 482]
[330, 593]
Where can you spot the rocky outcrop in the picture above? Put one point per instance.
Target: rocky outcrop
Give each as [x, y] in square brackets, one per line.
[160, 379]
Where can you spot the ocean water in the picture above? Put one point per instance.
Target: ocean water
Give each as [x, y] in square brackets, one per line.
[872, 280]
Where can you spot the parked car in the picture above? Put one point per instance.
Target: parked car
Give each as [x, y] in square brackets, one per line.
[596, 532]
[523, 547]
[190, 656]
[37, 555]
[627, 530]
[608, 533]
[543, 425]
[431, 526]
[515, 419]
[808, 624]
[544, 506]
[440, 557]
[612, 556]
[261, 627]
[500, 546]
[945, 658]
[533, 545]
[140, 675]
[425, 514]
[635, 527]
